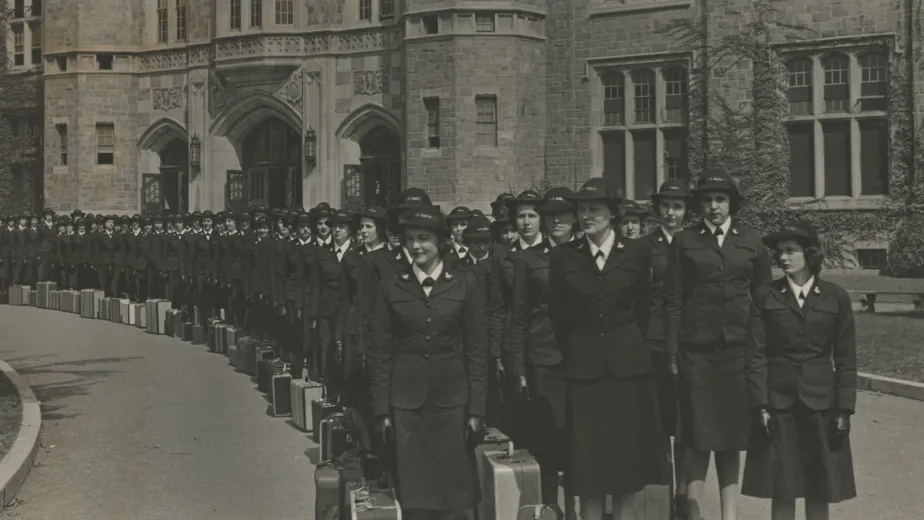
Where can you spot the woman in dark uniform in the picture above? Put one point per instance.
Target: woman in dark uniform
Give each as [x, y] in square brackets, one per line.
[536, 356]
[802, 376]
[599, 303]
[428, 374]
[671, 203]
[632, 216]
[712, 271]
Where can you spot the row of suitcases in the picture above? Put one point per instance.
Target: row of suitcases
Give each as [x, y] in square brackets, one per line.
[345, 490]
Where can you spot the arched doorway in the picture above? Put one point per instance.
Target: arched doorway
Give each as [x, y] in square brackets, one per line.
[272, 168]
[377, 181]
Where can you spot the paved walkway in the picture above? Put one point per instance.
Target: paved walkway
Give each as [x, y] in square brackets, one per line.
[147, 427]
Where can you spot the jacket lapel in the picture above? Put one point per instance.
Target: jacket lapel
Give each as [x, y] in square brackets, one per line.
[659, 241]
[706, 237]
[409, 284]
[616, 256]
[816, 295]
[783, 293]
[585, 257]
[446, 281]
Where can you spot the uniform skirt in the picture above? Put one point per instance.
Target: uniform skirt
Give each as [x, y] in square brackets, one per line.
[714, 411]
[802, 460]
[546, 407]
[615, 441]
[667, 394]
[434, 469]
[354, 389]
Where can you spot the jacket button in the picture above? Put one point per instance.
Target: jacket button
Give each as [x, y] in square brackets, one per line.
[600, 296]
[426, 356]
[600, 316]
[428, 339]
[428, 320]
[602, 334]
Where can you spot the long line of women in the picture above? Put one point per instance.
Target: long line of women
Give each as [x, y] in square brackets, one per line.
[554, 320]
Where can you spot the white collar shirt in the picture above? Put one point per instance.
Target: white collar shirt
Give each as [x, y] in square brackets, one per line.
[421, 276]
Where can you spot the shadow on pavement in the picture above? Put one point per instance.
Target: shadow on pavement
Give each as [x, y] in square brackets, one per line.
[49, 394]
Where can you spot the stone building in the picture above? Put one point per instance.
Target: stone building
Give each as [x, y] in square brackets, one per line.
[195, 104]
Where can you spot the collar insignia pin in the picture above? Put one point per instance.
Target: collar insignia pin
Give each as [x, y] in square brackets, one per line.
[447, 275]
[702, 231]
[816, 290]
[546, 250]
[620, 246]
[405, 277]
[660, 239]
[783, 290]
[734, 231]
[581, 245]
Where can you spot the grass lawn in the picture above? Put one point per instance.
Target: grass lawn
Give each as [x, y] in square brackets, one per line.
[890, 344]
[10, 414]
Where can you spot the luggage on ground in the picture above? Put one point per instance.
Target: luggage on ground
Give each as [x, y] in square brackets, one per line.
[338, 435]
[303, 394]
[512, 481]
[280, 393]
[330, 479]
[372, 503]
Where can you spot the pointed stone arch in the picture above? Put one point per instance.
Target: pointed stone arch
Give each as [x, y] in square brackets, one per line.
[366, 118]
[249, 110]
[161, 133]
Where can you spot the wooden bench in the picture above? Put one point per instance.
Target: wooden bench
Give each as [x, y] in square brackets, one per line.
[868, 298]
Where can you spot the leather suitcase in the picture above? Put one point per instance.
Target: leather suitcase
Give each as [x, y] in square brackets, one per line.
[320, 409]
[370, 503]
[32, 298]
[142, 319]
[177, 324]
[220, 347]
[233, 355]
[338, 435]
[494, 440]
[16, 292]
[43, 294]
[198, 335]
[303, 394]
[281, 394]
[187, 331]
[512, 481]
[55, 304]
[124, 312]
[135, 311]
[89, 303]
[150, 312]
[173, 317]
[115, 310]
[537, 512]
[246, 353]
[197, 316]
[266, 369]
[329, 481]
[210, 326]
[105, 307]
[230, 336]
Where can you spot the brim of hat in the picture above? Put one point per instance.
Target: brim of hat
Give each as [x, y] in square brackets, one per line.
[775, 238]
[587, 196]
[458, 216]
[512, 203]
[421, 223]
[655, 197]
[715, 186]
[369, 214]
[556, 206]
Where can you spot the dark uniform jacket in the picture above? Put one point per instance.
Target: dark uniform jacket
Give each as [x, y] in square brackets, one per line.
[104, 248]
[500, 299]
[146, 251]
[47, 235]
[707, 290]
[60, 248]
[173, 250]
[232, 257]
[79, 249]
[32, 242]
[202, 254]
[428, 348]
[660, 247]
[280, 256]
[261, 262]
[598, 315]
[532, 339]
[384, 264]
[807, 353]
[7, 243]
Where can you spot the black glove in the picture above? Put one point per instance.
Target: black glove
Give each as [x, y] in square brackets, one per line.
[386, 431]
[841, 427]
[523, 388]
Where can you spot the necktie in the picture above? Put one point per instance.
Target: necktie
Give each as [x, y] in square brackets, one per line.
[339, 251]
[719, 236]
[718, 232]
[428, 282]
[801, 298]
[461, 250]
[600, 258]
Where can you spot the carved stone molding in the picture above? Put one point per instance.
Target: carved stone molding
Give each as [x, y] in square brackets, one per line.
[292, 92]
[370, 82]
[165, 60]
[312, 78]
[219, 93]
[169, 98]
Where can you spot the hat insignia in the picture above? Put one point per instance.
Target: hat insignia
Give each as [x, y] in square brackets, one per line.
[405, 277]
[447, 276]
[556, 198]
[715, 179]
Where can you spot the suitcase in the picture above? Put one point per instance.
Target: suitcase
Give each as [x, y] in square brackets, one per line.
[230, 336]
[150, 316]
[187, 331]
[338, 435]
[197, 316]
[281, 394]
[247, 356]
[330, 479]
[537, 512]
[135, 311]
[512, 481]
[142, 322]
[233, 355]
[198, 335]
[124, 306]
[105, 307]
[370, 503]
[494, 440]
[55, 300]
[210, 328]
[115, 310]
[266, 369]
[32, 298]
[64, 303]
[16, 294]
[177, 323]
[161, 316]
[43, 294]
[303, 394]
[89, 303]
[320, 409]
[219, 340]
[170, 323]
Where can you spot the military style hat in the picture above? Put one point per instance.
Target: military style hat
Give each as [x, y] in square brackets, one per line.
[303, 219]
[556, 201]
[48, 211]
[499, 203]
[800, 231]
[672, 189]
[413, 198]
[341, 217]
[630, 207]
[426, 217]
[526, 197]
[478, 227]
[459, 213]
[715, 180]
[375, 212]
[207, 214]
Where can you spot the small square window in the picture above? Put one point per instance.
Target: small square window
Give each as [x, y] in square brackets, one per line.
[104, 61]
[431, 24]
[432, 106]
[105, 143]
[484, 23]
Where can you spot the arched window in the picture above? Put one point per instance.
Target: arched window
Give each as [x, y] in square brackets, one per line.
[614, 102]
[873, 81]
[644, 95]
[837, 80]
[799, 92]
[675, 94]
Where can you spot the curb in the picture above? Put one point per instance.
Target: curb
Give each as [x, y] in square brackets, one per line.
[16, 464]
[890, 386]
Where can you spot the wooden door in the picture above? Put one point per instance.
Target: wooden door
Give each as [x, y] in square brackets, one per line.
[235, 191]
[257, 186]
[294, 187]
[152, 194]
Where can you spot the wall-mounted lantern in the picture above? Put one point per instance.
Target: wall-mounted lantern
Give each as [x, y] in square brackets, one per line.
[195, 152]
[311, 148]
